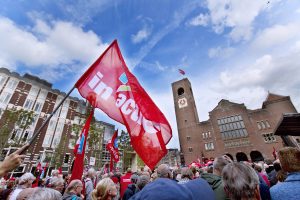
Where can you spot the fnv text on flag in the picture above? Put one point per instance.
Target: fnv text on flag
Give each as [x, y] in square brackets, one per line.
[111, 147]
[79, 149]
[110, 86]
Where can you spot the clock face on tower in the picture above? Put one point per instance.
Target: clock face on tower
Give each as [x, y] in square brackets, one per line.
[182, 102]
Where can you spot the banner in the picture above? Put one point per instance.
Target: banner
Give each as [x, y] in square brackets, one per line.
[79, 150]
[110, 86]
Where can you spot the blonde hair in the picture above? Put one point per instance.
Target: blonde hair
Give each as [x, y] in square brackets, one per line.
[102, 188]
[289, 159]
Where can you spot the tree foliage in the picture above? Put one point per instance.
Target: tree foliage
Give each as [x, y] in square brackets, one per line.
[14, 120]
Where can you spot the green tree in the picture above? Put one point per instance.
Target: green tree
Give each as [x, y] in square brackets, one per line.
[13, 120]
[58, 153]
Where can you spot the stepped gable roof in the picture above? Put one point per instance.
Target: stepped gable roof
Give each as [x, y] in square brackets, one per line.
[274, 97]
[226, 103]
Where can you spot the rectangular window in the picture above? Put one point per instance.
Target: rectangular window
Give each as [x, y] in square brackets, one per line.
[263, 125]
[258, 125]
[12, 84]
[28, 104]
[51, 125]
[5, 97]
[190, 149]
[268, 124]
[38, 107]
[2, 79]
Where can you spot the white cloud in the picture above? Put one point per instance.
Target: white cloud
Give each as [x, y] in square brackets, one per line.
[276, 35]
[250, 82]
[141, 35]
[52, 44]
[200, 20]
[220, 52]
[236, 15]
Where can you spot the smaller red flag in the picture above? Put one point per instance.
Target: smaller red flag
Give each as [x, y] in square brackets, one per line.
[181, 71]
[59, 170]
[111, 147]
[80, 150]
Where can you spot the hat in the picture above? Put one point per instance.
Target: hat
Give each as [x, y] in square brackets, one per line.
[167, 189]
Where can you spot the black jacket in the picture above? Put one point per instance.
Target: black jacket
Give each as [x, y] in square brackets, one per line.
[130, 191]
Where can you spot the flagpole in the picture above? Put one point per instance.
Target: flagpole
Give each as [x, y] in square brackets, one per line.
[36, 133]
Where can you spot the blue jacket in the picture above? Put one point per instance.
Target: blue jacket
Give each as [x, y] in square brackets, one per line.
[289, 189]
[166, 189]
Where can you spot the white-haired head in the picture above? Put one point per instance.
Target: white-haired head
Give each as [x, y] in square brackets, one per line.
[57, 183]
[46, 194]
[91, 173]
[55, 173]
[26, 179]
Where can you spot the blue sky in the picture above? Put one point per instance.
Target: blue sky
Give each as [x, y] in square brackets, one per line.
[230, 49]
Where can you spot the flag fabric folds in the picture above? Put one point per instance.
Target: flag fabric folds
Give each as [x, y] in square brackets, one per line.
[181, 71]
[109, 85]
[114, 152]
[79, 149]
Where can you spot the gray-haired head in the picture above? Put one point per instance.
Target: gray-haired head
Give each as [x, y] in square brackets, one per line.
[73, 185]
[46, 194]
[57, 183]
[26, 178]
[134, 178]
[240, 181]
[91, 173]
[219, 163]
[163, 171]
[187, 173]
[142, 181]
[54, 173]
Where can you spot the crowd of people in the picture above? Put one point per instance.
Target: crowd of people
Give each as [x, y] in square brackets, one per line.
[222, 179]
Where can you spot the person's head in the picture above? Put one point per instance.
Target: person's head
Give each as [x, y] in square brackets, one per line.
[75, 187]
[105, 190]
[26, 193]
[55, 173]
[258, 168]
[45, 194]
[57, 183]
[26, 180]
[153, 177]
[187, 173]
[240, 181]
[219, 163]
[163, 171]
[91, 173]
[142, 181]
[134, 178]
[290, 159]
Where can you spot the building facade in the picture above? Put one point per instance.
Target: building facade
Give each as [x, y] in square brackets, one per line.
[172, 158]
[30, 93]
[231, 129]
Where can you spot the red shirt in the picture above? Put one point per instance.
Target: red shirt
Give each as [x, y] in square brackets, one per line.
[125, 181]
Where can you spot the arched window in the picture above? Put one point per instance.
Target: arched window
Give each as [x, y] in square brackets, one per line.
[180, 91]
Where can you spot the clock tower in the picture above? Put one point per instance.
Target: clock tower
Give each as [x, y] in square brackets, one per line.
[186, 115]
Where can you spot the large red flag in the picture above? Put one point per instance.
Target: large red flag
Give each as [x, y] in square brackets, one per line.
[80, 150]
[110, 86]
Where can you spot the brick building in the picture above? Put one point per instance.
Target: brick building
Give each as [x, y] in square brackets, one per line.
[231, 129]
[32, 93]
